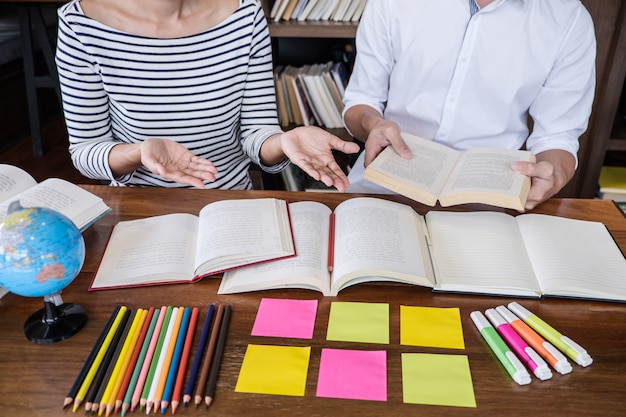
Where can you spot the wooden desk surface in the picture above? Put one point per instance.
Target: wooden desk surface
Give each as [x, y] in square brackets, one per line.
[34, 379]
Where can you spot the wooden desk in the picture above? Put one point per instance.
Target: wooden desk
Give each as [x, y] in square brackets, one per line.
[34, 379]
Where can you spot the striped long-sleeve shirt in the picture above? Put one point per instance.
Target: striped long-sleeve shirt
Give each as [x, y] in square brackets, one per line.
[212, 91]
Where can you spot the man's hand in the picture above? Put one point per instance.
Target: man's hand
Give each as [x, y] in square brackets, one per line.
[548, 175]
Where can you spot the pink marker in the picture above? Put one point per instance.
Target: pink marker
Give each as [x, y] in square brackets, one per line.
[527, 355]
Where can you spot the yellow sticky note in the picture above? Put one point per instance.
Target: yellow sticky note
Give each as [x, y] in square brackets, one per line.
[437, 380]
[431, 326]
[358, 322]
[278, 370]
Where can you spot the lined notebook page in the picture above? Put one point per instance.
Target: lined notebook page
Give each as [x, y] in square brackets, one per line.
[574, 257]
[480, 252]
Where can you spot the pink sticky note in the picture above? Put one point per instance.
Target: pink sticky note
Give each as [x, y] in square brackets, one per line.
[353, 374]
[285, 318]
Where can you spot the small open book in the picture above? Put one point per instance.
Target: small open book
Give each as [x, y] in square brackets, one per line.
[438, 172]
[485, 252]
[183, 247]
[79, 205]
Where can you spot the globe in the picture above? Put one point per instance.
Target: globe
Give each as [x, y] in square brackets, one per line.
[41, 252]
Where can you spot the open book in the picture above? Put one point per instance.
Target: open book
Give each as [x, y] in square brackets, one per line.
[487, 252]
[436, 171]
[182, 247]
[79, 205]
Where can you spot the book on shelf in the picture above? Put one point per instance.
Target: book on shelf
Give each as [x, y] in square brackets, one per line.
[310, 94]
[289, 9]
[612, 183]
[439, 173]
[298, 9]
[282, 103]
[488, 252]
[279, 9]
[359, 11]
[307, 12]
[79, 205]
[183, 247]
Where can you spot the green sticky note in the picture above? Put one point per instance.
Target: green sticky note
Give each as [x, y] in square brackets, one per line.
[437, 380]
[432, 327]
[278, 370]
[358, 322]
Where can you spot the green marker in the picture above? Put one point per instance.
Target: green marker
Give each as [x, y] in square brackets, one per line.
[508, 359]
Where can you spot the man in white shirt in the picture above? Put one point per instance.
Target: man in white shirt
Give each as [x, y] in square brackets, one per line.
[471, 73]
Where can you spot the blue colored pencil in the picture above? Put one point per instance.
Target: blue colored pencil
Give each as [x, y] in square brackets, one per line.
[198, 358]
[173, 370]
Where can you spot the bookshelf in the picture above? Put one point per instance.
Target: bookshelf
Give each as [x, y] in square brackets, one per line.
[308, 42]
[605, 139]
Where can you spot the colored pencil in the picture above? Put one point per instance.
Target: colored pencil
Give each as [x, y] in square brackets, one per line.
[98, 405]
[161, 359]
[208, 355]
[198, 356]
[217, 357]
[117, 396]
[143, 373]
[90, 359]
[182, 368]
[155, 358]
[174, 363]
[96, 373]
[138, 357]
[128, 344]
[168, 357]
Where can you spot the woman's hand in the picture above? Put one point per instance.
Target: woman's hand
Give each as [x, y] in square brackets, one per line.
[173, 161]
[311, 148]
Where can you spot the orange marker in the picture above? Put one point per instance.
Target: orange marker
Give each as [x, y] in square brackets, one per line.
[547, 351]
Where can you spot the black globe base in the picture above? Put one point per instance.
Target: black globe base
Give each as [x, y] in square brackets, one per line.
[55, 323]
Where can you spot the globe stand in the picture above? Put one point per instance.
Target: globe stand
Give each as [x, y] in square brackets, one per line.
[55, 322]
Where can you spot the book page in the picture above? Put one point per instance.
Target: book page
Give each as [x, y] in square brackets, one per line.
[420, 178]
[77, 204]
[152, 250]
[480, 252]
[239, 232]
[482, 172]
[308, 269]
[379, 240]
[14, 180]
[574, 257]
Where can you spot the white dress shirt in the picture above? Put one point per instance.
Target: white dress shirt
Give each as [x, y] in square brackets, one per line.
[469, 82]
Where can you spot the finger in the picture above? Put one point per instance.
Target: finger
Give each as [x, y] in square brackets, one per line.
[344, 146]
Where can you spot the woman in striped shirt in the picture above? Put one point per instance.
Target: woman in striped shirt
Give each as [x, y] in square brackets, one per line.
[176, 93]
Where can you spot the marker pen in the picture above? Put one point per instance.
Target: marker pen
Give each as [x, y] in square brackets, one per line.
[547, 351]
[508, 359]
[527, 355]
[566, 345]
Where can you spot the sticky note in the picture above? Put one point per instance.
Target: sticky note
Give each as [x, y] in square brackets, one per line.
[431, 327]
[437, 380]
[353, 374]
[278, 370]
[358, 322]
[285, 318]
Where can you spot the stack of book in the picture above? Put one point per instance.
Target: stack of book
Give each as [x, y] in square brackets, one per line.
[311, 94]
[612, 183]
[330, 10]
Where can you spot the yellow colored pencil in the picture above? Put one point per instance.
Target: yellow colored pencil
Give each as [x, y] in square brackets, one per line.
[130, 347]
[82, 391]
[119, 365]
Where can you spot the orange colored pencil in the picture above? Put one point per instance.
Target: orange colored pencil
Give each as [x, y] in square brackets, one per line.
[184, 360]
